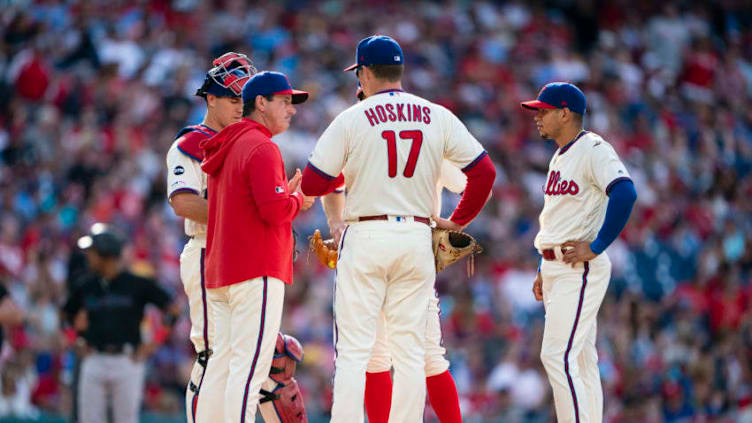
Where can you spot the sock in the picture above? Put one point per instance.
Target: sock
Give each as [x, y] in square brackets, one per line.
[378, 396]
[442, 393]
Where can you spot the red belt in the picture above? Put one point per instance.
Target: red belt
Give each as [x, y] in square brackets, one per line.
[549, 254]
[423, 220]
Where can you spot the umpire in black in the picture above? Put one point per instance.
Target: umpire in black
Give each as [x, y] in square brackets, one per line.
[106, 310]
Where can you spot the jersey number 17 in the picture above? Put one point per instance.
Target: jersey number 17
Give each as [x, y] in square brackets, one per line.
[391, 150]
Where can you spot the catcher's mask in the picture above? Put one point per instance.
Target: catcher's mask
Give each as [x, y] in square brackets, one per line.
[228, 75]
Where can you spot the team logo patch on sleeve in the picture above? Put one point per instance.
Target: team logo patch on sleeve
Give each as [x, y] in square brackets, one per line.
[279, 189]
[179, 170]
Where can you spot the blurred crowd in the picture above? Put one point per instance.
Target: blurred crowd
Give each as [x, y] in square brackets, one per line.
[93, 92]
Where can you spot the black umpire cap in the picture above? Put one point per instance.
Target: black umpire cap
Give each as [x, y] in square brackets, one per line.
[103, 240]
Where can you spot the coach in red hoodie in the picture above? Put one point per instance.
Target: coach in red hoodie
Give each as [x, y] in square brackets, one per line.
[249, 246]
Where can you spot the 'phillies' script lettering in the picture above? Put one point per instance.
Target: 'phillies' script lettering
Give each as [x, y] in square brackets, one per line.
[558, 186]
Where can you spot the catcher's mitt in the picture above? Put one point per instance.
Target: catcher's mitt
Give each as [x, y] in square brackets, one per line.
[451, 246]
[325, 250]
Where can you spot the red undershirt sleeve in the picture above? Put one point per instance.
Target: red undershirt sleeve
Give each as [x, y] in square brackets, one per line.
[316, 183]
[480, 179]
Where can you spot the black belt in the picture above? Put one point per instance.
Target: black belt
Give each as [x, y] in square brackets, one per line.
[110, 349]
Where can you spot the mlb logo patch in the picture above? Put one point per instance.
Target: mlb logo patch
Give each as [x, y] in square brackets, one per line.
[279, 189]
[397, 58]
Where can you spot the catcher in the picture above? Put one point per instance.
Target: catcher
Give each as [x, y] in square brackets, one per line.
[449, 247]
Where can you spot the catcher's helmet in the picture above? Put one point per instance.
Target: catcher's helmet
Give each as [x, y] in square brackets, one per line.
[226, 78]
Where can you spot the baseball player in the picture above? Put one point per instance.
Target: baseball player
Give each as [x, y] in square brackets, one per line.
[588, 198]
[249, 236]
[389, 148]
[107, 310]
[187, 193]
[442, 391]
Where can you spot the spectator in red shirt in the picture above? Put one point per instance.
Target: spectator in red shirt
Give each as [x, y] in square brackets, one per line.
[249, 248]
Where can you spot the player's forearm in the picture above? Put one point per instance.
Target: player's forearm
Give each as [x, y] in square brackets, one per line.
[621, 199]
[281, 211]
[190, 206]
[334, 207]
[480, 180]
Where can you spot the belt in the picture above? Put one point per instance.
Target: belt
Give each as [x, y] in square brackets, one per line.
[549, 254]
[423, 220]
[110, 349]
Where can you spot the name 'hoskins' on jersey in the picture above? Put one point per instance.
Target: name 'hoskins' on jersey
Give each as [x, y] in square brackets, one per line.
[398, 112]
[390, 148]
[580, 176]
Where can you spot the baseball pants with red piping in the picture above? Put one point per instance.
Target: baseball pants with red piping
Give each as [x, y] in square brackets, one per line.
[387, 266]
[250, 313]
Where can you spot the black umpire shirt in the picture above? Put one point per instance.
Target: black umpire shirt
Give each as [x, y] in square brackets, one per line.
[115, 308]
[3, 294]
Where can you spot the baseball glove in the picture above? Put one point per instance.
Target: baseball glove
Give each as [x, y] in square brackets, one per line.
[451, 246]
[325, 250]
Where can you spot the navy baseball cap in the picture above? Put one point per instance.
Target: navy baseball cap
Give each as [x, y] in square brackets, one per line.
[558, 95]
[270, 83]
[377, 50]
[102, 240]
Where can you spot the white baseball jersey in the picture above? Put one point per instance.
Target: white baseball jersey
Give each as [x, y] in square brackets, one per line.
[580, 175]
[390, 147]
[184, 174]
[450, 177]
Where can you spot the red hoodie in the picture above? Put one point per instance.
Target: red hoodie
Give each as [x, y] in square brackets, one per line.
[249, 232]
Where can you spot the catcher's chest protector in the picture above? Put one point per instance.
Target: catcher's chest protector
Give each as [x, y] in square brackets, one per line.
[281, 400]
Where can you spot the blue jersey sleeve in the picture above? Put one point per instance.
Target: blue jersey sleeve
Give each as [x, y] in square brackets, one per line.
[621, 199]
